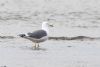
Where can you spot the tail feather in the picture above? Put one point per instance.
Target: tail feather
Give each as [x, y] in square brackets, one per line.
[22, 35]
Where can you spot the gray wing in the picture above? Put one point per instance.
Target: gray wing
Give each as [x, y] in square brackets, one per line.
[37, 34]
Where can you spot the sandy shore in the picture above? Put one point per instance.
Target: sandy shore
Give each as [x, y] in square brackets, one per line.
[19, 53]
[70, 18]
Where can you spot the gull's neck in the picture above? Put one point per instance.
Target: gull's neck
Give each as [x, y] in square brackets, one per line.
[45, 27]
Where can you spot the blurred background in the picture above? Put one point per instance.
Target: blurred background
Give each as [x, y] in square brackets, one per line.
[72, 18]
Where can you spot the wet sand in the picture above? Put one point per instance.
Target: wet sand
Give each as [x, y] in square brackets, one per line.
[78, 21]
[18, 52]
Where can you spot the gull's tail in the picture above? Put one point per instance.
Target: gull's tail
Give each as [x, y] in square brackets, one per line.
[22, 35]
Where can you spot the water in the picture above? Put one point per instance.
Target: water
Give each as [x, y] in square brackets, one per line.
[18, 52]
[70, 24]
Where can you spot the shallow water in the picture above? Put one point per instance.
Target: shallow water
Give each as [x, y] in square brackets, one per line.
[18, 52]
[68, 24]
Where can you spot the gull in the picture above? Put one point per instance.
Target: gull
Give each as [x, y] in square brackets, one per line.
[38, 36]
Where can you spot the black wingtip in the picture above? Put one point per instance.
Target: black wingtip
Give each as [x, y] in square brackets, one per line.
[21, 35]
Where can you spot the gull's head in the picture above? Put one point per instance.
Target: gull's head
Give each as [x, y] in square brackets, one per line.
[44, 23]
[45, 26]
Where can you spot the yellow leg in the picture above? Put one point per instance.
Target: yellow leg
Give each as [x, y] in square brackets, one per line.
[38, 45]
[34, 45]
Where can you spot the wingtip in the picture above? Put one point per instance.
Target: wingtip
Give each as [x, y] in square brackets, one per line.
[21, 35]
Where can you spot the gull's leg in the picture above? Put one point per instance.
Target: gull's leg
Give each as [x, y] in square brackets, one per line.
[34, 45]
[38, 45]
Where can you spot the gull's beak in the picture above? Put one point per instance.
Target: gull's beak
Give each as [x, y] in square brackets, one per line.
[50, 25]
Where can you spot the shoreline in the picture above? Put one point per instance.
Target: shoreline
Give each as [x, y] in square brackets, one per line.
[60, 38]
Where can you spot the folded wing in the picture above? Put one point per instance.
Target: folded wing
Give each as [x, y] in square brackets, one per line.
[37, 34]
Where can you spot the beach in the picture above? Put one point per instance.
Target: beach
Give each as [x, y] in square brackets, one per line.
[78, 20]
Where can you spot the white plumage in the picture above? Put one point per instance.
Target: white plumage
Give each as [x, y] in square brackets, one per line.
[38, 35]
